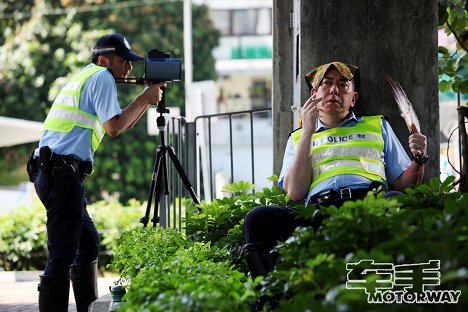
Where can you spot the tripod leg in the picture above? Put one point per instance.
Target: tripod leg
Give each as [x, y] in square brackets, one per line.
[182, 174]
[154, 179]
[157, 198]
[164, 172]
[161, 190]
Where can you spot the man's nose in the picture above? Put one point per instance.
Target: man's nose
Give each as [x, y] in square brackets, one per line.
[334, 88]
[128, 65]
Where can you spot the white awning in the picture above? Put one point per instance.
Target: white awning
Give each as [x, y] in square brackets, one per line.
[15, 131]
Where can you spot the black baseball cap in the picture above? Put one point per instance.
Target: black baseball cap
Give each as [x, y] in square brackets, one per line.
[115, 44]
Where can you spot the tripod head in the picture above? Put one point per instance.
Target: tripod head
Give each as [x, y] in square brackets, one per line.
[161, 109]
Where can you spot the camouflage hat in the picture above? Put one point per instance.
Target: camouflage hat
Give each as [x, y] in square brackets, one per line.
[350, 72]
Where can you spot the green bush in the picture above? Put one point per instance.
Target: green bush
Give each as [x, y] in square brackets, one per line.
[427, 223]
[23, 235]
[23, 239]
[220, 222]
[169, 273]
[111, 219]
[139, 247]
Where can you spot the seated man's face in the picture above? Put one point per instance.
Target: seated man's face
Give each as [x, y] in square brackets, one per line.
[337, 94]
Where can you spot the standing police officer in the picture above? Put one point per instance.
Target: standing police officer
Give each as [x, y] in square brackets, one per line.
[83, 112]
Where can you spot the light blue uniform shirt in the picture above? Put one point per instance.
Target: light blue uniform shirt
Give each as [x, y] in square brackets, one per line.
[99, 98]
[394, 158]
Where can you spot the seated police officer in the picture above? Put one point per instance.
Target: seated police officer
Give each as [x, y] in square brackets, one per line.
[335, 156]
[83, 112]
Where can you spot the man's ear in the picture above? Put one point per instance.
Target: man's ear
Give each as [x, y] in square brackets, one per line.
[103, 61]
[355, 98]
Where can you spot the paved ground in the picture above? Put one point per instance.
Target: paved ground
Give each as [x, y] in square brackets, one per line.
[22, 295]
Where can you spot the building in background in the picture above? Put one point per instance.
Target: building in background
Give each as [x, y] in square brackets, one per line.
[244, 55]
[244, 76]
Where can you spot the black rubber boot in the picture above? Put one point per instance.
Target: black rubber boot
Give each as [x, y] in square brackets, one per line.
[84, 281]
[258, 259]
[53, 293]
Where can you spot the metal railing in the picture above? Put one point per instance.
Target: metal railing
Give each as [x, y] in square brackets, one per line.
[205, 121]
[193, 144]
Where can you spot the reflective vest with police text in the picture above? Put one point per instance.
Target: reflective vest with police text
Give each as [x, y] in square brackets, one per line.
[347, 150]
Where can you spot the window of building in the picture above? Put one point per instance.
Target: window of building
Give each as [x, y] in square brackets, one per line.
[243, 22]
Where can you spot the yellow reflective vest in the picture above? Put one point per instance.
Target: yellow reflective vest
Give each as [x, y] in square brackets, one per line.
[65, 113]
[347, 150]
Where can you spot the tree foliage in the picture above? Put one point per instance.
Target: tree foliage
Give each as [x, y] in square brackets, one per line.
[45, 42]
[37, 53]
[453, 65]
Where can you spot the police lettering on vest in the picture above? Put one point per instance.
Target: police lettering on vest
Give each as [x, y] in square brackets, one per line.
[347, 150]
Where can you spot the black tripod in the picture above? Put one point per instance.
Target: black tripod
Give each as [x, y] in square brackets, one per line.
[159, 178]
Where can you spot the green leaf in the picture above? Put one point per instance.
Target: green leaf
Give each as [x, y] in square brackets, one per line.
[447, 185]
[445, 86]
[460, 11]
[238, 187]
[443, 15]
[443, 50]
[273, 178]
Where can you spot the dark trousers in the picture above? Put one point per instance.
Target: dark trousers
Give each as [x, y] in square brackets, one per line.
[264, 226]
[71, 234]
[270, 224]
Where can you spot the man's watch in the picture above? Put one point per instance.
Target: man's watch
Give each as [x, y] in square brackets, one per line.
[420, 159]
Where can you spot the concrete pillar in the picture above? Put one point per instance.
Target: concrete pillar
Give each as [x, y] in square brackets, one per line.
[282, 97]
[393, 37]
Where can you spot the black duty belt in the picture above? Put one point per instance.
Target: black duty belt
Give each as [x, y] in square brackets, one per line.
[83, 167]
[339, 195]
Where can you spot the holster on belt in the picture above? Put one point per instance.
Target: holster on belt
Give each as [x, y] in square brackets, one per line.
[41, 163]
[45, 157]
[31, 167]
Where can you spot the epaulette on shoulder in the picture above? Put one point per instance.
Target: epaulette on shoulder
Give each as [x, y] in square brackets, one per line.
[294, 131]
[368, 115]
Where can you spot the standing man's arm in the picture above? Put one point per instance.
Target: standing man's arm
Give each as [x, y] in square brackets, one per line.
[299, 177]
[134, 111]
